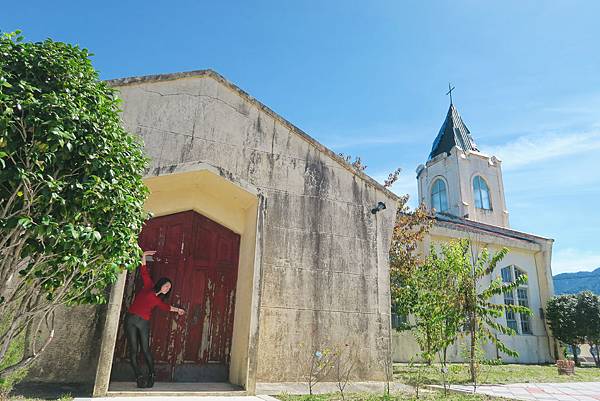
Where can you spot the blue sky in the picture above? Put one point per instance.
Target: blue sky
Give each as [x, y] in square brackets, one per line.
[369, 79]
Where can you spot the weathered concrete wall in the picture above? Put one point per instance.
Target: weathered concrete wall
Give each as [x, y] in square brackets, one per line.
[322, 278]
[72, 355]
[324, 266]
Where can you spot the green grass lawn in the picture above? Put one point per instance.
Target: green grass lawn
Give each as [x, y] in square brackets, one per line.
[423, 395]
[495, 374]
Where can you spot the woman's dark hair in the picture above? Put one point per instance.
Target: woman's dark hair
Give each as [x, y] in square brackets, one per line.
[160, 282]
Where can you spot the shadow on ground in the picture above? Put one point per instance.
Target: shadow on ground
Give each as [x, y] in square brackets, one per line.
[51, 391]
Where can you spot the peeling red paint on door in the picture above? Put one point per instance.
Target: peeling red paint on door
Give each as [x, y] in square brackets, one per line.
[201, 258]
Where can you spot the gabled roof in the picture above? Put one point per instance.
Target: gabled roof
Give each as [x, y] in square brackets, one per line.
[219, 78]
[453, 133]
[458, 223]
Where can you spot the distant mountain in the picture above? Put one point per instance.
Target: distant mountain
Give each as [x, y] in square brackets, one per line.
[572, 283]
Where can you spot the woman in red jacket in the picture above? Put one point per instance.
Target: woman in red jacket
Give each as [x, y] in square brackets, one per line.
[137, 321]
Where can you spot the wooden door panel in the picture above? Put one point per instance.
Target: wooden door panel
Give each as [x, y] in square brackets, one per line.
[201, 258]
[203, 250]
[196, 293]
[169, 261]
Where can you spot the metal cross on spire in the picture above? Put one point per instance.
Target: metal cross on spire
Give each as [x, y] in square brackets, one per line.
[450, 89]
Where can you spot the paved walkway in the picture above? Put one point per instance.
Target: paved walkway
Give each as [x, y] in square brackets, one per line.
[122, 391]
[181, 398]
[119, 392]
[589, 391]
[327, 387]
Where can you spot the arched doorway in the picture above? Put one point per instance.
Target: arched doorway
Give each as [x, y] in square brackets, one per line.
[201, 257]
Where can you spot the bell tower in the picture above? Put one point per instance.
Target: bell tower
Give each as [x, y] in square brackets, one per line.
[459, 180]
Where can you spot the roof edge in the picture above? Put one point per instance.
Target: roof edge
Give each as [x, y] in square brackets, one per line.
[160, 77]
[489, 228]
[219, 78]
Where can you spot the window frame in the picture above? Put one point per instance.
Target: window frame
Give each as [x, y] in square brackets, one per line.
[521, 323]
[439, 193]
[478, 192]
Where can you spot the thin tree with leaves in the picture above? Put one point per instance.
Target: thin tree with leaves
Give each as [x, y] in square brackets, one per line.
[435, 289]
[481, 312]
[409, 231]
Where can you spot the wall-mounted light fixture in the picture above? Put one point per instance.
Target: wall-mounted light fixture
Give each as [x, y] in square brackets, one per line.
[380, 206]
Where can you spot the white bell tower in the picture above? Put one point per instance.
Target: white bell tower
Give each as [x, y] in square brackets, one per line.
[459, 180]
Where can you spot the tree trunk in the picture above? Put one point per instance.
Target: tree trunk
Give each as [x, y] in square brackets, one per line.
[473, 350]
[575, 358]
[445, 356]
[595, 354]
[428, 348]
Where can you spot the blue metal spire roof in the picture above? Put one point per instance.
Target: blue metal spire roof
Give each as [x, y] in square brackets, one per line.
[453, 133]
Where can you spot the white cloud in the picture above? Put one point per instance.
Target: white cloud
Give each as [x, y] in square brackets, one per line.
[573, 260]
[531, 149]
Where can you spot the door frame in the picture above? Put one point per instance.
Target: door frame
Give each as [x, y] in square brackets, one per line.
[233, 203]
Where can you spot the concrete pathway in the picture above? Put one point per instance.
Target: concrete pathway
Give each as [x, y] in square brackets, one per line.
[181, 398]
[328, 387]
[584, 391]
[120, 393]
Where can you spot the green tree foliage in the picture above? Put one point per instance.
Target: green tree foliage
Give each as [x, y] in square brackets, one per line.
[434, 290]
[410, 229]
[587, 316]
[560, 314]
[71, 190]
[451, 291]
[575, 319]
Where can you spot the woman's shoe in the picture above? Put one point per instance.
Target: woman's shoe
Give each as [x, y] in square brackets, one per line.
[140, 381]
[150, 382]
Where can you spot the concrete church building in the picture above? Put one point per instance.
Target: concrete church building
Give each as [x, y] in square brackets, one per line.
[464, 186]
[269, 237]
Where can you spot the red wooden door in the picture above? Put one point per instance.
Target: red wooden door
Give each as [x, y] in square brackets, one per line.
[201, 258]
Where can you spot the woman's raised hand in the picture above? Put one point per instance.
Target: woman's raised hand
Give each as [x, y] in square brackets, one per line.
[180, 312]
[147, 253]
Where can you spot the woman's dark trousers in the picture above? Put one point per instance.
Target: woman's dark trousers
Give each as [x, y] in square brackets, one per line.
[136, 326]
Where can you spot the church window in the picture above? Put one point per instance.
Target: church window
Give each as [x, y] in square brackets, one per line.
[518, 273]
[511, 319]
[519, 322]
[524, 301]
[439, 196]
[481, 192]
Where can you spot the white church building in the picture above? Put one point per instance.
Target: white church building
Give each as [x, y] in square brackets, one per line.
[464, 187]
